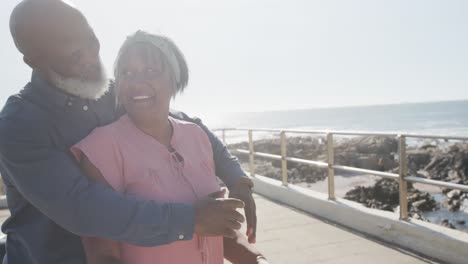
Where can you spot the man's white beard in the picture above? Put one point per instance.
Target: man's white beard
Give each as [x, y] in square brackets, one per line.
[81, 88]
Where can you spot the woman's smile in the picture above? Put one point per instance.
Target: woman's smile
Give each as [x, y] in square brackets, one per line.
[141, 94]
[141, 97]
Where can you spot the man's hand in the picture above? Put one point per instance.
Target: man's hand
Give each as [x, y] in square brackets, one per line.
[243, 191]
[218, 217]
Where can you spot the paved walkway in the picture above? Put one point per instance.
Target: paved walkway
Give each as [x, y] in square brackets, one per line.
[288, 236]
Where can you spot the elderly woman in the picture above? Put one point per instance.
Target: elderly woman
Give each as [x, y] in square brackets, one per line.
[150, 155]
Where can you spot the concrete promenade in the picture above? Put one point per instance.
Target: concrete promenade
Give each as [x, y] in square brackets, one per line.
[286, 235]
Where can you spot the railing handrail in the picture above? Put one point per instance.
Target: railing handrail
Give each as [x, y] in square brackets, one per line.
[344, 133]
[402, 176]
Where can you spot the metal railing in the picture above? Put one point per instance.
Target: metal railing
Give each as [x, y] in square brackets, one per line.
[402, 176]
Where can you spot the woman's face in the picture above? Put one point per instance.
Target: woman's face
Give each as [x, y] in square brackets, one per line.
[144, 80]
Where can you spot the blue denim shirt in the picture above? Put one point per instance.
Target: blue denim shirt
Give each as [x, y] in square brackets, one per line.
[52, 203]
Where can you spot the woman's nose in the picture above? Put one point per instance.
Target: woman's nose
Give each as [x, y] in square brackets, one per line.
[138, 85]
[135, 82]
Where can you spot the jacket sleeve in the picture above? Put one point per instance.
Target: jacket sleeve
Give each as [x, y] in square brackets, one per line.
[51, 181]
[227, 166]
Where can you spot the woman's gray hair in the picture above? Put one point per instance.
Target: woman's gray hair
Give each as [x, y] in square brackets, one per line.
[171, 52]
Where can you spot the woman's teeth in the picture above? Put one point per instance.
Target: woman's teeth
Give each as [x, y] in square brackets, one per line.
[141, 97]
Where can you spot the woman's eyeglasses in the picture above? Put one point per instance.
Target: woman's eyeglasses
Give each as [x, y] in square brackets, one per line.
[147, 74]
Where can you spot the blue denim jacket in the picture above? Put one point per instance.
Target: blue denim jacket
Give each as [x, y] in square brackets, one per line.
[52, 203]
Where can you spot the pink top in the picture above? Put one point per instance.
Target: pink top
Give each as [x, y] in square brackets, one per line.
[134, 163]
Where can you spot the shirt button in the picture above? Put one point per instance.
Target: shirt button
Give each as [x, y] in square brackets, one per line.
[85, 108]
[181, 237]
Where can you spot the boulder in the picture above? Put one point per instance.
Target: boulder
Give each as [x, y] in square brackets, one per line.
[454, 194]
[384, 196]
[418, 159]
[447, 223]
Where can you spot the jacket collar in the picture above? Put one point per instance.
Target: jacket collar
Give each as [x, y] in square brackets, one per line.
[43, 93]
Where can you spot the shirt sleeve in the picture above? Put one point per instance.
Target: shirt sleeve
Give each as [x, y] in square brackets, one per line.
[227, 166]
[102, 150]
[49, 179]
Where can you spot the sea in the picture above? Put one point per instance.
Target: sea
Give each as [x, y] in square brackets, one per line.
[434, 118]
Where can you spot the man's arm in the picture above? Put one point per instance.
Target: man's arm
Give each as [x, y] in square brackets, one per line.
[52, 182]
[99, 250]
[230, 171]
[228, 168]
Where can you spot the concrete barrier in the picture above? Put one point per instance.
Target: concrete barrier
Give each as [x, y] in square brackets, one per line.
[428, 239]
[3, 202]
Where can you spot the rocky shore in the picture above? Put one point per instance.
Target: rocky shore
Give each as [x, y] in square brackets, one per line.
[433, 161]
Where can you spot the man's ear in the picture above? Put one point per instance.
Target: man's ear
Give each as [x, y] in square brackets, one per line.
[42, 69]
[27, 61]
[30, 62]
[36, 62]
[35, 65]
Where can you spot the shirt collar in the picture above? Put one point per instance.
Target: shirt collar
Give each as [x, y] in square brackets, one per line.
[127, 122]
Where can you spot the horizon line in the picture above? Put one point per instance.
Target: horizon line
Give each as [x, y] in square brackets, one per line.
[349, 106]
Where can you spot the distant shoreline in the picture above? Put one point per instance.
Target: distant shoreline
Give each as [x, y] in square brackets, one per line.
[439, 118]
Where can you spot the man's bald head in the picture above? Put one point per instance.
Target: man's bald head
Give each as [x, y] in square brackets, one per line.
[55, 37]
[57, 41]
[39, 26]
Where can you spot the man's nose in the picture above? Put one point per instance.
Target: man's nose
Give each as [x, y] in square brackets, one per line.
[91, 58]
[91, 67]
[91, 53]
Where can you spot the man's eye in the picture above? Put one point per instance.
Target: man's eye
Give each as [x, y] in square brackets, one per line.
[76, 57]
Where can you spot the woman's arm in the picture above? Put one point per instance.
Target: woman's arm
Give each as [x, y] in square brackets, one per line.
[239, 251]
[98, 250]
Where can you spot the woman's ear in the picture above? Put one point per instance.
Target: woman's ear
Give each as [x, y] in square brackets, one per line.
[175, 87]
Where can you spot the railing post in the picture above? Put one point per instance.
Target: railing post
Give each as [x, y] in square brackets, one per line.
[251, 154]
[284, 162]
[402, 182]
[331, 170]
[224, 136]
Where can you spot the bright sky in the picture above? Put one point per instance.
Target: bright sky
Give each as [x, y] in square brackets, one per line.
[260, 55]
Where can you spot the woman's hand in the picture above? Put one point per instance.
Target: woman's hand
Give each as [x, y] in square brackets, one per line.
[240, 251]
[261, 260]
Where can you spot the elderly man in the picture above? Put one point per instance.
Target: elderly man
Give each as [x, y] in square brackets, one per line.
[51, 201]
